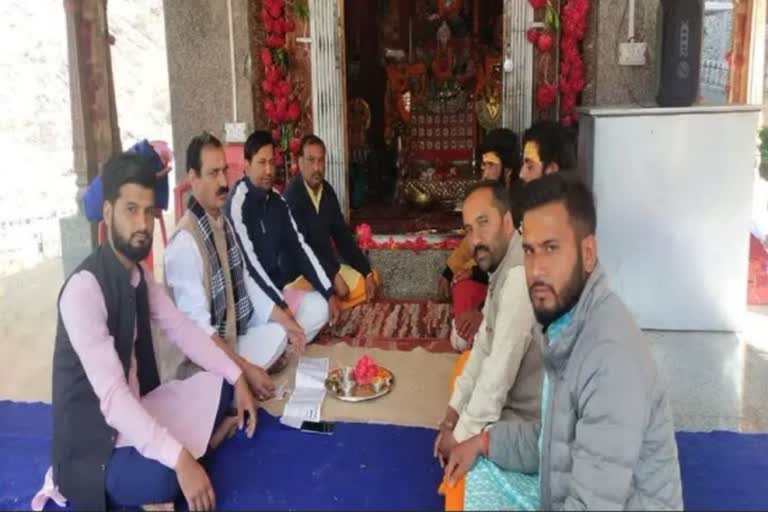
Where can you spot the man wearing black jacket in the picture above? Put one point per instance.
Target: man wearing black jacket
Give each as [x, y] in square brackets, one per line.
[316, 208]
[276, 253]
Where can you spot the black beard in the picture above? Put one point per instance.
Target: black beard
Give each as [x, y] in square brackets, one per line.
[124, 247]
[566, 300]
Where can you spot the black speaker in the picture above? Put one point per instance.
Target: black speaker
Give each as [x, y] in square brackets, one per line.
[680, 25]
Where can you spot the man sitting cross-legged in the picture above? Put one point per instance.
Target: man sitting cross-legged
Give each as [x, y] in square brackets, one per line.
[606, 440]
[269, 239]
[500, 378]
[120, 438]
[206, 275]
[316, 209]
[462, 280]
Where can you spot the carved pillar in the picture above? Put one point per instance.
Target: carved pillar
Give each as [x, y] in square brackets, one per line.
[518, 63]
[329, 105]
[95, 132]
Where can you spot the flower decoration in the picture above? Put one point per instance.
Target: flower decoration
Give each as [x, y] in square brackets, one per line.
[568, 23]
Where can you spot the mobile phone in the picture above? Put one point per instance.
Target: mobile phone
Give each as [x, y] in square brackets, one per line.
[319, 427]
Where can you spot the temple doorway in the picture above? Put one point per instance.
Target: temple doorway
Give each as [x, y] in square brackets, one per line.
[424, 84]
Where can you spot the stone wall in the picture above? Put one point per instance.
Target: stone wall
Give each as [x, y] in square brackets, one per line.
[609, 83]
[197, 39]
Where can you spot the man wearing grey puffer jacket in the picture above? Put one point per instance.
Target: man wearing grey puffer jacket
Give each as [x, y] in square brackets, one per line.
[606, 439]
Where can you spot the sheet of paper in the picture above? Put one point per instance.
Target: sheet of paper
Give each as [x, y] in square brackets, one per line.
[309, 392]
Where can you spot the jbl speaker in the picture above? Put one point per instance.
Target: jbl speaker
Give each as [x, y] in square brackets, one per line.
[680, 26]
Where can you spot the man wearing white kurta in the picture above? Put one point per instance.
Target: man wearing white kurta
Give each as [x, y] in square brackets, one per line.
[206, 275]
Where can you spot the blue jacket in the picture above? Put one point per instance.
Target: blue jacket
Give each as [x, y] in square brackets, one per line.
[321, 227]
[275, 250]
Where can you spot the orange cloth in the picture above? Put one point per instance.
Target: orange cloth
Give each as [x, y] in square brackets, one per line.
[357, 292]
[454, 496]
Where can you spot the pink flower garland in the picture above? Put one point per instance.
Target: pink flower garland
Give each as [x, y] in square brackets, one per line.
[281, 106]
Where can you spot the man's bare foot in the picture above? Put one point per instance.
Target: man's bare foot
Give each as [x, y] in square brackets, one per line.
[158, 507]
[225, 430]
[280, 364]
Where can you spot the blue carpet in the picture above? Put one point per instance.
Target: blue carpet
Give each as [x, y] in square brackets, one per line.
[367, 467]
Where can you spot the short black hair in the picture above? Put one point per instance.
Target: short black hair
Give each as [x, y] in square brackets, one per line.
[572, 193]
[504, 200]
[311, 140]
[554, 142]
[504, 143]
[195, 150]
[255, 142]
[123, 169]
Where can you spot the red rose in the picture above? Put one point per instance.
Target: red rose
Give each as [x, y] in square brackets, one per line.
[545, 42]
[546, 95]
[269, 106]
[276, 135]
[538, 4]
[294, 110]
[532, 34]
[566, 121]
[266, 57]
[283, 88]
[295, 145]
[274, 10]
[294, 168]
[265, 16]
[266, 85]
[279, 160]
[273, 74]
[278, 27]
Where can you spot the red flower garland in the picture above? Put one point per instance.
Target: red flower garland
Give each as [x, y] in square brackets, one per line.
[571, 22]
[365, 241]
[280, 104]
[572, 72]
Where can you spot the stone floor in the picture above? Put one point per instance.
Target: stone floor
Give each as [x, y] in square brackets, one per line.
[718, 380]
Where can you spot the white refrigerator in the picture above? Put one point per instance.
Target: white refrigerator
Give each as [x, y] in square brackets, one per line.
[673, 188]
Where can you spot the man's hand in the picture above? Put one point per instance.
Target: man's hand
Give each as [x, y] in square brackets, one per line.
[468, 323]
[296, 336]
[194, 483]
[371, 288]
[444, 288]
[245, 404]
[447, 443]
[340, 286]
[334, 310]
[462, 458]
[259, 381]
[461, 275]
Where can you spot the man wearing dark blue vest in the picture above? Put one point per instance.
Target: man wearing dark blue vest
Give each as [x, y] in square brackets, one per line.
[120, 438]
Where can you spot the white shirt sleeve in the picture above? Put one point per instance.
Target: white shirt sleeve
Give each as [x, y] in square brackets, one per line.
[184, 275]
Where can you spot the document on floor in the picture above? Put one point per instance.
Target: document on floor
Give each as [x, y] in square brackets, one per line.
[309, 392]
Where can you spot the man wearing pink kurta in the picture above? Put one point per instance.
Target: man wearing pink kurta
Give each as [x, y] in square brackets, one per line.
[120, 438]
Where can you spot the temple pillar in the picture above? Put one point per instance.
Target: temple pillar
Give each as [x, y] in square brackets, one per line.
[95, 132]
[517, 95]
[329, 95]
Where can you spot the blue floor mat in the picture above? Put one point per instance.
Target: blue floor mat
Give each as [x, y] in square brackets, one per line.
[367, 467]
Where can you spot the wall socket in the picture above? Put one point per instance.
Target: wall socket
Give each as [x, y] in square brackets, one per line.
[235, 133]
[633, 54]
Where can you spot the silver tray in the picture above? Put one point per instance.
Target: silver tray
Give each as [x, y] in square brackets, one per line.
[359, 392]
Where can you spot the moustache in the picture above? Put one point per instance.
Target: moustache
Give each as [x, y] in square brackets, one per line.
[222, 191]
[141, 233]
[481, 248]
[541, 284]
